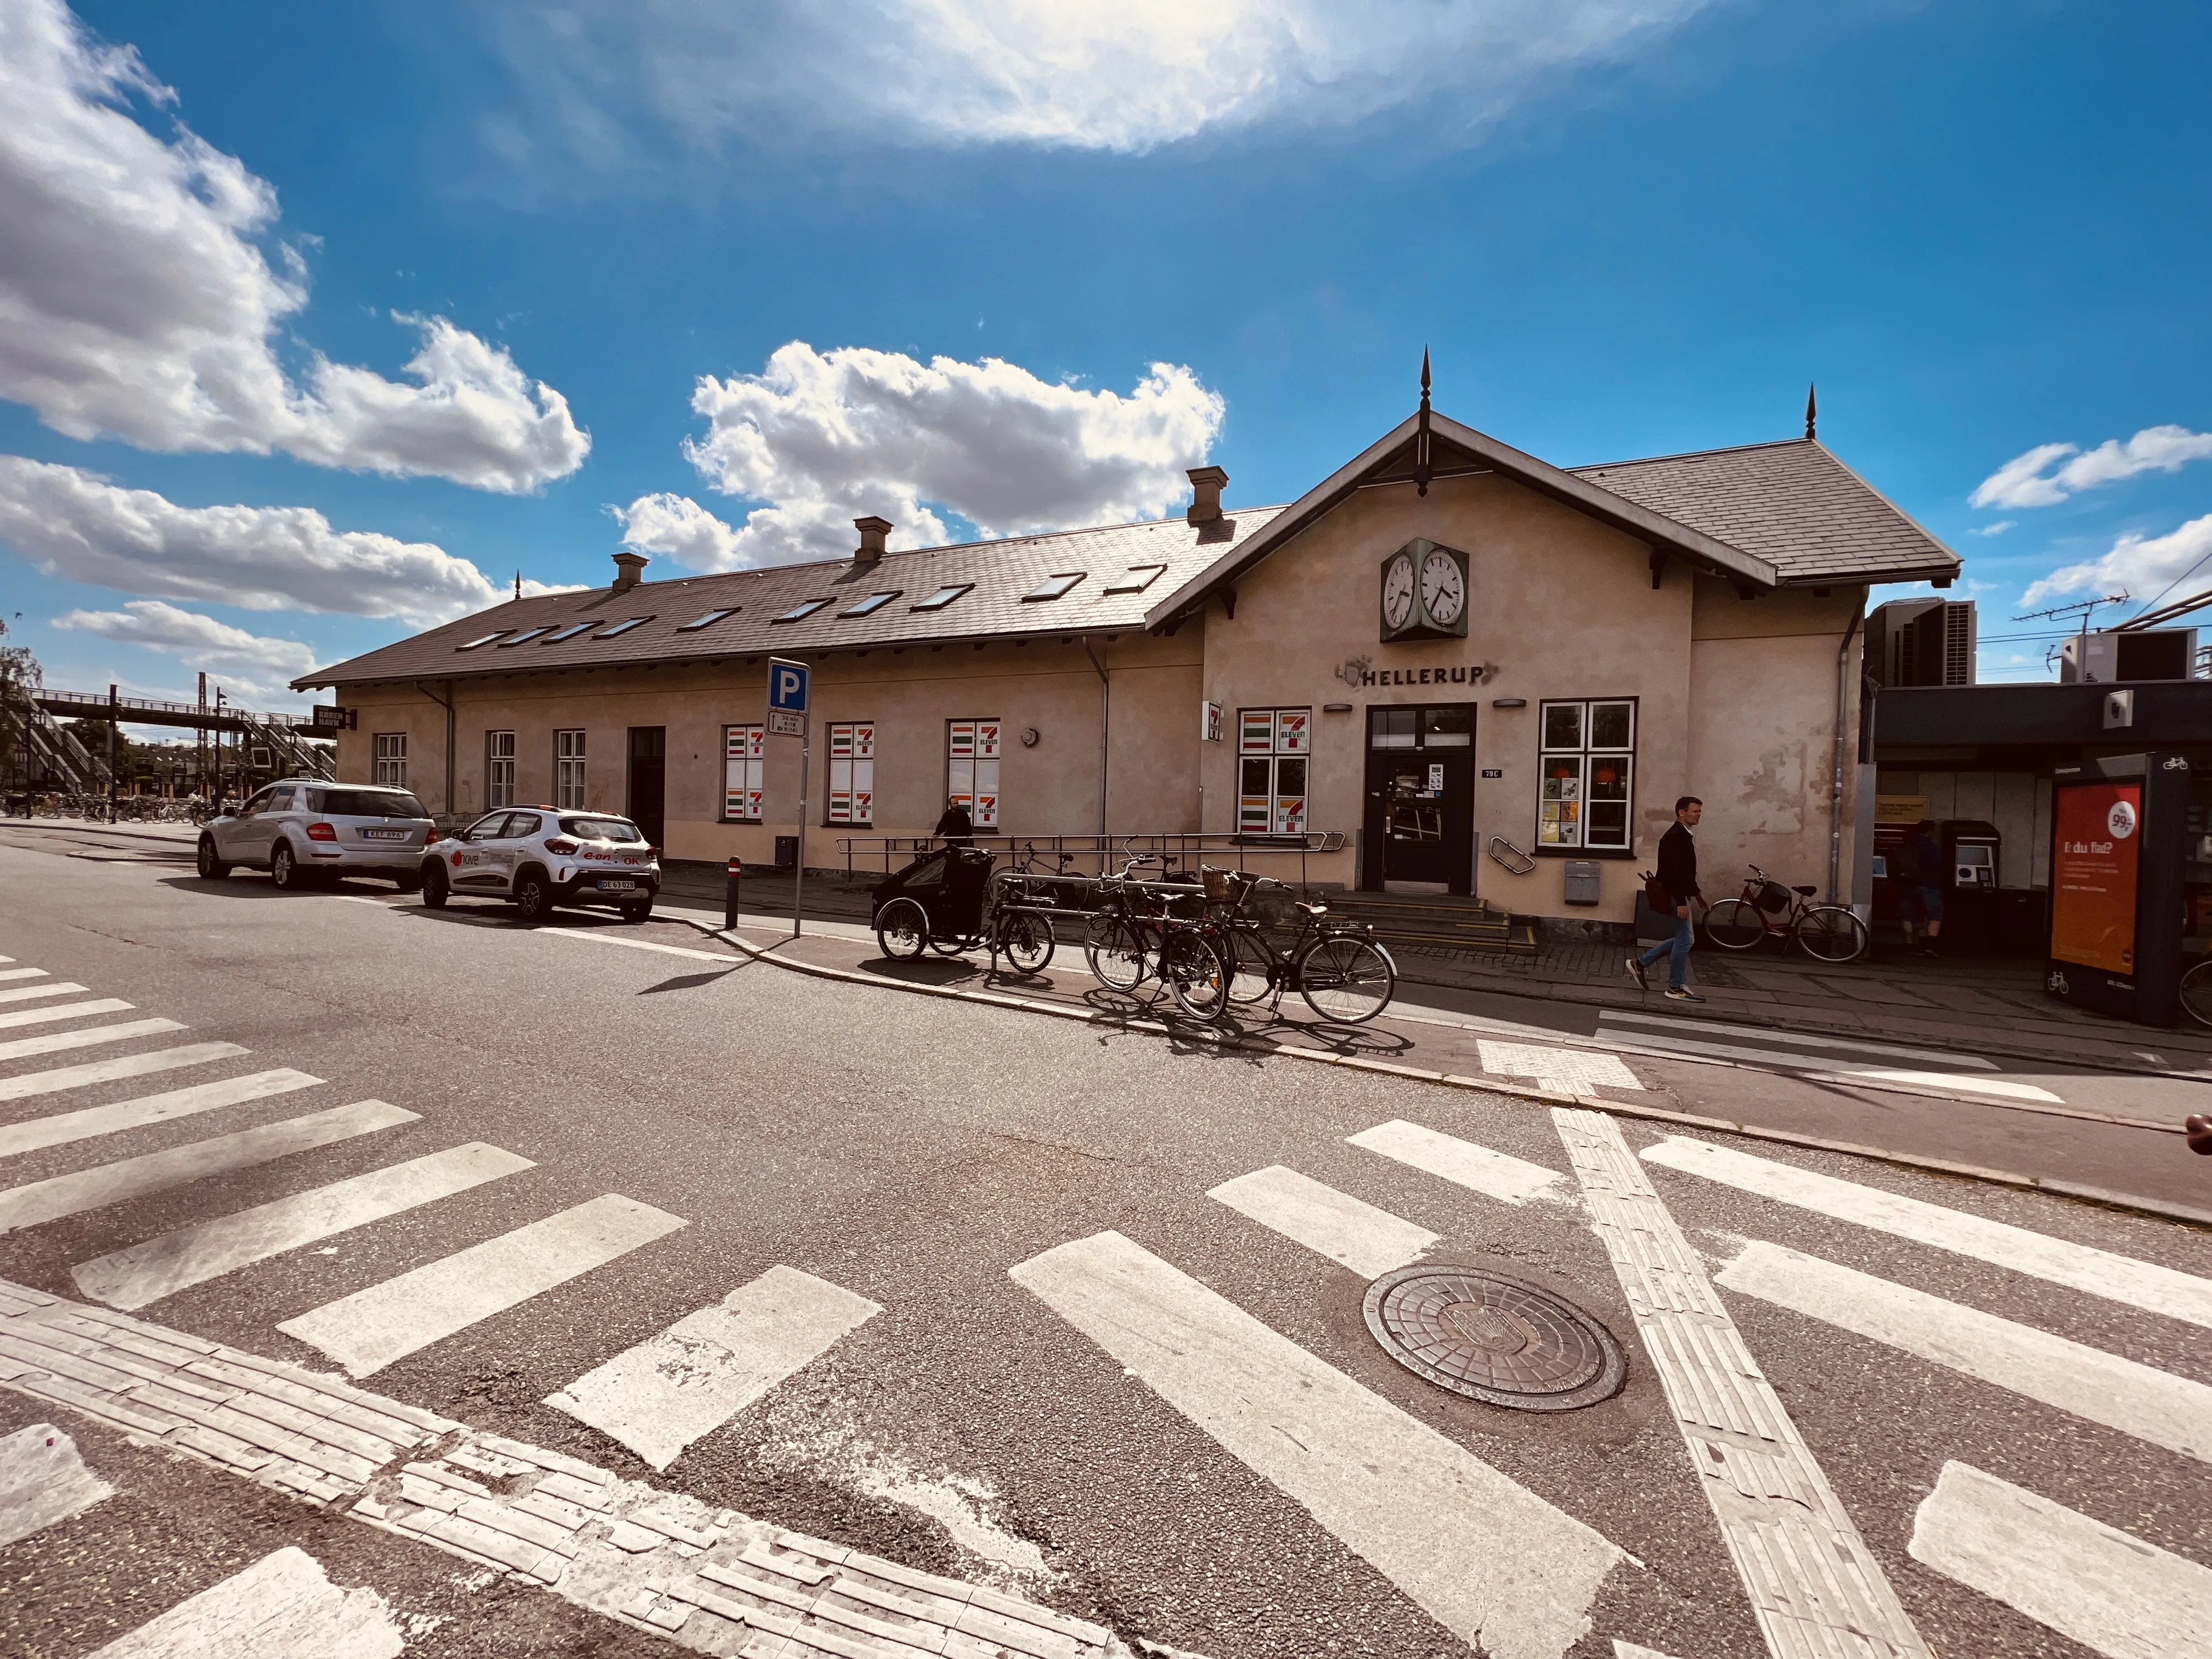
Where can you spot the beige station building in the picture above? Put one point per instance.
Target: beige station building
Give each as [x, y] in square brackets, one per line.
[1460, 668]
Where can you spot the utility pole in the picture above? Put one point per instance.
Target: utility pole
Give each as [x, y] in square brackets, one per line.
[114, 714]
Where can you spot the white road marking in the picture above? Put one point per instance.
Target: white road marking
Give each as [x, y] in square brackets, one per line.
[366, 1331]
[1629, 1650]
[1482, 1555]
[109, 1071]
[61, 1127]
[280, 1607]
[26, 992]
[54, 1040]
[2140, 1400]
[1570, 1070]
[1813, 1585]
[2107, 1590]
[154, 1172]
[2078, 1266]
[21, 972]
[1800, 1039]
[722, 957]
[1348, 1231]
[662, 1394]
[1873, 1077]
[1495, 1175]
[161, 1266]
[43, 1480]
[66, 1010]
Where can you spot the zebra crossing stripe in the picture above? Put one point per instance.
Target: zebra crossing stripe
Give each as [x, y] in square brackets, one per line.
[55, 1041]
[2110, 1591]
[110, 1071]
[2150, 1404]
[1484, 1556]
[66, 1010]
[32, 1133]
[1813, 1585]
[43, 1480]
[1799, 1039]
[2140, 1284]
[152, 1172]
[1496, 1175]
[281, 1607]
[27, 992]
[161, 1266]
[20, 973]
[1348, 1231]
[366, 1331]
[661, 1395]
[1873, 1077]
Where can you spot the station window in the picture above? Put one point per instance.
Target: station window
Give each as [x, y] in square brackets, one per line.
[391, 752]
[1274, 746]
[1588, 765]
[499, 768]
[971, 769]
[569, 770]
[744, 755]
[853, 772]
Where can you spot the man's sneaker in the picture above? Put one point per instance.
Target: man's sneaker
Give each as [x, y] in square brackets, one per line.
[1682, 994]
[1635, 973]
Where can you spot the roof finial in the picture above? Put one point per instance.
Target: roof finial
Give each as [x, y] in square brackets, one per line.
[518, 584]
[1422, 471]
[1812, 410]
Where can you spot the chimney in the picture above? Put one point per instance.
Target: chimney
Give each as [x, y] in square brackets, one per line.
[629, 570]
[872, 531]
[1206, 484]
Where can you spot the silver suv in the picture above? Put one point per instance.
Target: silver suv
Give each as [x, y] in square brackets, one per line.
[538, 857]
[306, 829]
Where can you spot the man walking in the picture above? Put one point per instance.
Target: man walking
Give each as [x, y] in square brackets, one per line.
[1678, 874]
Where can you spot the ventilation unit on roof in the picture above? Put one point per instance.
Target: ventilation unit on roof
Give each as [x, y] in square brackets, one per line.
[1922, 642]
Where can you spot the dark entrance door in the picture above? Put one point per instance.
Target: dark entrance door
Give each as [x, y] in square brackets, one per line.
[1421, 797]
[648, 782]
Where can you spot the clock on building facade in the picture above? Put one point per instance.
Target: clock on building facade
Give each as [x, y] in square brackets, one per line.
[1425, 591]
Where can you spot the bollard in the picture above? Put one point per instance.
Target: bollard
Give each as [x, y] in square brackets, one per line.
[2198, 1129]
[730, 895]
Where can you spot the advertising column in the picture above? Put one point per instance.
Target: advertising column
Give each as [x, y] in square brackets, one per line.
[2115, 874]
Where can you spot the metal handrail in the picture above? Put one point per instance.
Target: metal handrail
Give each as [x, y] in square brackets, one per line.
[99, 701]
[1097, 854]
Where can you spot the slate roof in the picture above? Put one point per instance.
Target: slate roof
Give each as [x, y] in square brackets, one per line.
[1791, 503]
[1001, 572]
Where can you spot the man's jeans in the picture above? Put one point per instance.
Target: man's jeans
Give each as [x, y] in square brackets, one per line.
[1678, 949]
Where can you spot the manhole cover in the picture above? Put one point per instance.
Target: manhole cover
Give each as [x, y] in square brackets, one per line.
[1493, 1337]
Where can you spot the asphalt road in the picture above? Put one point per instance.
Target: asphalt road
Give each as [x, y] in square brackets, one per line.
[915, 1152]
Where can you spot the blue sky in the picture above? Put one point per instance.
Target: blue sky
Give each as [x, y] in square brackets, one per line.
[1623, 227]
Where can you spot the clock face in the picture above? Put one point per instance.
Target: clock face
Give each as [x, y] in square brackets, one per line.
[1398, 591]
[1444, 593]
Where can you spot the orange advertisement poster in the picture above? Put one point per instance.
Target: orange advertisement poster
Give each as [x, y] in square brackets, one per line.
[2098, 832]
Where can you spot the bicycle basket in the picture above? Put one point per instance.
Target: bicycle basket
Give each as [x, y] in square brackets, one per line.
[1773, 898]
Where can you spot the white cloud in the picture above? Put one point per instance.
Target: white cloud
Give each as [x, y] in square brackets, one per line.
[2032, 480]
[1112, 75]
[200, 640]
[135, 301]
[2139, 564]
[822, 438]
[1996, 529]
[77, 524]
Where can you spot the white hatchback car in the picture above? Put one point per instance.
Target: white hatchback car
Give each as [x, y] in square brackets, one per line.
[539, 857]
[306, 828]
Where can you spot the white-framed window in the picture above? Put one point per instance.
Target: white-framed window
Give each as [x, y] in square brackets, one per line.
[971, 769]
[852, 772]
[744, 754]
[1588, 768]
[1273, 748]
[499, 768]
[568, 769]
[390, 751]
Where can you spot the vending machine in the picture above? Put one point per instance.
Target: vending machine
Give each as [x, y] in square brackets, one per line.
[2118, 829]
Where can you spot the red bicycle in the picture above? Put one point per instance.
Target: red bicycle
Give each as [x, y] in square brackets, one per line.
[1767, 909]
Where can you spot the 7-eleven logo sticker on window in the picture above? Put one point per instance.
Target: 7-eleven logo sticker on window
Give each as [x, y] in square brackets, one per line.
[962, 734]
[1294, 731]
[1256, 732]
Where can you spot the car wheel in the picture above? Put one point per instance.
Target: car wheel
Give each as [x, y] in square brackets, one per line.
[212, 868]
[434, 887]
[533, 900]
[636, 909]
[283, 868]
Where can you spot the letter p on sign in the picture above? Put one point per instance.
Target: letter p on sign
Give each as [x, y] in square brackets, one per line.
[786, 686]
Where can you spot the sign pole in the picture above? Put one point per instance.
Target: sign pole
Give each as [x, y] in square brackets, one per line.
[788, 716]
[799, 863]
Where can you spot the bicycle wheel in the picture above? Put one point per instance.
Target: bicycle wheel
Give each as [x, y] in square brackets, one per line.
[902, 929]
[1251, 967]
[1830, 933]
[2197, 993]
[1735, 924]
[1114, 949]
[1026, 942]
[1196, 975]
[1346, 980]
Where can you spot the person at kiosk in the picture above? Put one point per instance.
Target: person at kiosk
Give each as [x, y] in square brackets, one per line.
[1920, 880]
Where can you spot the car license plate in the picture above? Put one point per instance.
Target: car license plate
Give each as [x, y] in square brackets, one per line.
[616, 885]
[383, 835]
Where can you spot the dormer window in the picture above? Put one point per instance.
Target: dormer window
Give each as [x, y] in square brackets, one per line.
[800, 612]
[1053, 586]
[1135, 580]
[943, 596]
[869, 607]
[623, 627]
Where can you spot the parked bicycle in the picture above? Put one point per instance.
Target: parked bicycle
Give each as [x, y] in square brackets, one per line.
[1335, 965]
[1767, 909]
[2197, 993]
[1158, 929]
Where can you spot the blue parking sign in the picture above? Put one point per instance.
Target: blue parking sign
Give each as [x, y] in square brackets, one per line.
[786, 686]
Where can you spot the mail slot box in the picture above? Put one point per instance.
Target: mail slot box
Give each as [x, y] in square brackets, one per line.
[1582, 881]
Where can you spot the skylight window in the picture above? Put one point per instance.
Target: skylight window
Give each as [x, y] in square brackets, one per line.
[943, 596]
[1138, 578]
[709, 619]
[870, 606]
[623, 627]
[1053, 586]
[485, 640]
[568, 633]
[526, 633]
[800, 612]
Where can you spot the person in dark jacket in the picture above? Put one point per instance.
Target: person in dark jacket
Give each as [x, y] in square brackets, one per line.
[956, 828]
[1678, 874]
[1920, 895]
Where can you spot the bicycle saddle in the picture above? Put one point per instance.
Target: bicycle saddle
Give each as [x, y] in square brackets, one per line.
[1807, 892]
[1313, 910]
